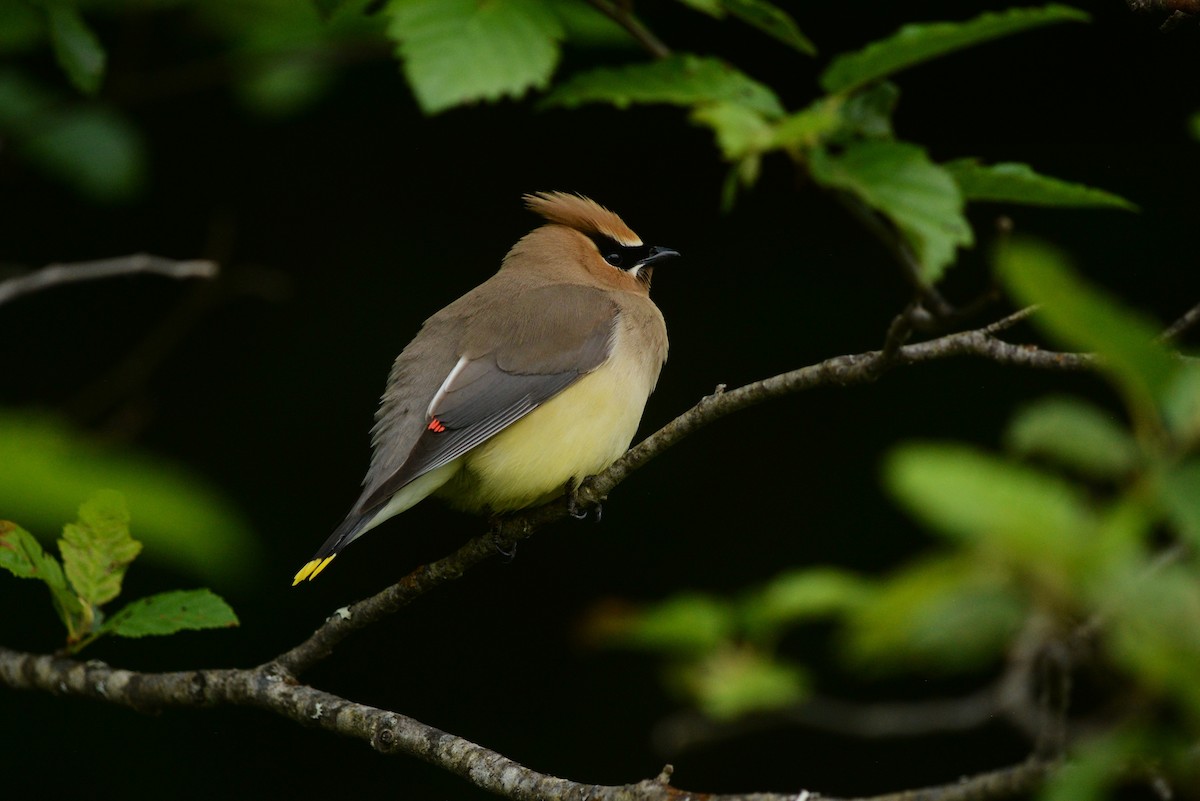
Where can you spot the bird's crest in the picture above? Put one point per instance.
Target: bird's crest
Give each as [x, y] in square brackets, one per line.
[582, 214]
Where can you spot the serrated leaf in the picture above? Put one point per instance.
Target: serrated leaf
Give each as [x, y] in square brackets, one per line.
[899, 181]
[462, 51]
[945, 614]
[79, 52]
[1031, 517]
[23, 556]
[920, 42]
[735, 681]
[97, 549]
[771, 20]
[1074, 434]
[1010, 182]
[1080, 316]
[681, 80]
[169, 612]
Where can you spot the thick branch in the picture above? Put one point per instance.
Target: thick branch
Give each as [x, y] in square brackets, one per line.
[57, 274]
[392, 733]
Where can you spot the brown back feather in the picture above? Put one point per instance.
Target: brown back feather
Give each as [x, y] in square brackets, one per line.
[582, 214]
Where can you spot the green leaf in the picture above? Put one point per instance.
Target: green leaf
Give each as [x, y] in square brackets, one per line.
[1181, 404]
[1094, 768]
[21, 28]
[328, 9]
[1009, 182]
[945, 614]
[839, 119]
[1075, 434]
[687, 623]
[869, 113]
[78, 50]
[899, 181]
[169, 612]
[1082, 317]
[740, 131]
[21, 555]
[713, 8]
[765, 16]
[1178, 491]
[1152, 631]
[186, 524]
[284, 86]
[1030, 517]
[94, 149]
[805, 594]
[462, 51]
[735, 681]
[920, 42]
[771, 20]
[97, 549]
[681, 80]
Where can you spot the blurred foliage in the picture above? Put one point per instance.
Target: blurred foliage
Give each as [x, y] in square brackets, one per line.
[47, 465]
[96, 551]
[1068, 527]
[1068, 524]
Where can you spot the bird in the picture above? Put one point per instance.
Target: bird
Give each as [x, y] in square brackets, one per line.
[524, 386]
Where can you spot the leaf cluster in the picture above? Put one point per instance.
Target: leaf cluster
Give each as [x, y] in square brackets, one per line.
[96, 551]
[1062, 534]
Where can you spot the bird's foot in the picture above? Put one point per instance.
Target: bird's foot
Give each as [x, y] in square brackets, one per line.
[504, 546]
[575, 508]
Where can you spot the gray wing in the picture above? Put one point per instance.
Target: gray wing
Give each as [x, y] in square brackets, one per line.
[516, 356]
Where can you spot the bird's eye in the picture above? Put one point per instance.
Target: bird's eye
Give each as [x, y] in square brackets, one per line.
[615, 259]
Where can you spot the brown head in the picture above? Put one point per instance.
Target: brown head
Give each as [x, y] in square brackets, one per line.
[585, 243]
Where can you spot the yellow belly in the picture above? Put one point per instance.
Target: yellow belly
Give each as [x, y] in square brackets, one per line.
[577, 433]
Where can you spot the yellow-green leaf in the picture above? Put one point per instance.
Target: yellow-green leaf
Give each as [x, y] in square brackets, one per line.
[97, 549]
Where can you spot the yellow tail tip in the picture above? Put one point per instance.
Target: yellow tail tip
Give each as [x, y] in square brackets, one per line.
[310, 570]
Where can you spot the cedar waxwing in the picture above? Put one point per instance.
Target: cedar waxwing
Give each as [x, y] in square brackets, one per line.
[534, 378]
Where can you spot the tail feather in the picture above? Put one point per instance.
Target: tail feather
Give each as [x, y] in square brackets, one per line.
[343, 535]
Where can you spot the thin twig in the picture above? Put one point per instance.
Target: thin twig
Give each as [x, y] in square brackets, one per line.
[1186, 321]
[54, 275]
[641, 34]
[688, 730]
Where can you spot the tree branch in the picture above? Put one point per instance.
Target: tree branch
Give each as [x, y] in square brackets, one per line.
[272, 687]
[508, 531]
[625, 18]
[57, 274]
[267, 689]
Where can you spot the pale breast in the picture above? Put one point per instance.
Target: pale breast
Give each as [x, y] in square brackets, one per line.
[577, 433]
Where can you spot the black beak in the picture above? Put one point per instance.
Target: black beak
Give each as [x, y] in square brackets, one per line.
[657, 254]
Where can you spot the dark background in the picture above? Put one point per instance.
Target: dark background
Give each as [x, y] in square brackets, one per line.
[340, 230]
